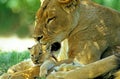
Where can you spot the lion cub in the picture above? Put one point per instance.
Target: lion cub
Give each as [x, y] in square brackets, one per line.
[42, 58]
[48, 61]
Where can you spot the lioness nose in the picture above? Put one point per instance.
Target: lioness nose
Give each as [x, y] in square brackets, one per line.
[38, 38]
[36, 60]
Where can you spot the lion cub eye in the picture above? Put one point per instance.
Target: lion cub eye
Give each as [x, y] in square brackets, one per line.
[50, 19]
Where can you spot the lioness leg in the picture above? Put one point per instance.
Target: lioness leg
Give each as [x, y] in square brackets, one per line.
[89, 71]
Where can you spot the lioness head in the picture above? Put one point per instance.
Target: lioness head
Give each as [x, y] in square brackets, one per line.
[55, 20]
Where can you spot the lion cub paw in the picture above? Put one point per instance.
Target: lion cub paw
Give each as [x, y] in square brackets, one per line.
[43, 72]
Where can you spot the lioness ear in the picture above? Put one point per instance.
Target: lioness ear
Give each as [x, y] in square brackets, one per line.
[69, 5]
[64, 1]
[67, 1]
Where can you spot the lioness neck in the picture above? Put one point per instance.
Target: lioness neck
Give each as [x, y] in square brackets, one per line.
[95, 17]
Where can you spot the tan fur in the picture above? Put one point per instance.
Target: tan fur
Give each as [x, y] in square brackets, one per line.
[63, 54]
[89, 27]
[5, 76]
[117, 75]
[23, 65]
[30, 73]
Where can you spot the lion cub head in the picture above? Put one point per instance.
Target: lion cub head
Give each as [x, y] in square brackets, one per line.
[38, 56]
[39, 53]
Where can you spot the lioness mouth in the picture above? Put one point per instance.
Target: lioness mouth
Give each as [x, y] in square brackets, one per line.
[55, 46]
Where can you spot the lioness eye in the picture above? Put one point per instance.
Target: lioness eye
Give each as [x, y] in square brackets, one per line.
[50, 19]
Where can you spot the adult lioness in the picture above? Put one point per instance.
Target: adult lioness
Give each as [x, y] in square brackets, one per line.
[89, 27]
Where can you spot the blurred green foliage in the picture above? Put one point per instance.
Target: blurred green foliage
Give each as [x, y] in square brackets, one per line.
[115, 4]
[17, 16]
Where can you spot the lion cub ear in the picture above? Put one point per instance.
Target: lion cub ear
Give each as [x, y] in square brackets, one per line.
[30, 49]
[69, 5]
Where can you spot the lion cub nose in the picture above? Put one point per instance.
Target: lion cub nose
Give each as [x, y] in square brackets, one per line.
[36, 61]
